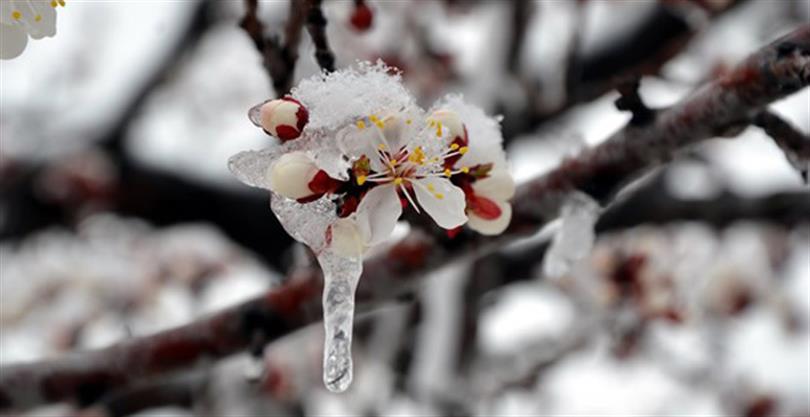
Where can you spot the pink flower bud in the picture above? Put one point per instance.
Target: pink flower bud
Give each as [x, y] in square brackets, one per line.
[283, 118]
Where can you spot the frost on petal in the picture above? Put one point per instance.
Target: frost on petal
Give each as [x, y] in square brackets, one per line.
[574, 239]
[12, 41]
[494, 226]
[442, 200]
[378, 213]
[348, 239]
[498, 186]
[341, 97]
[484, 132]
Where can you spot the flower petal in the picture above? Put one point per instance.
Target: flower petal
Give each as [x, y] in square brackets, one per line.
[12, 41]
[495, 226]
[39, 16]
[442, 200]
[378, 213]
[499, 185]
[347, 238]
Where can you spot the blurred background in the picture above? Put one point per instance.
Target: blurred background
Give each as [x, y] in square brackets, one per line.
[118, 216]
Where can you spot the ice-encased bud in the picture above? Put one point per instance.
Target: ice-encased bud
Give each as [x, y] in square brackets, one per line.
[283, 118]
[451, 121]
[347, 238]
[291, 174]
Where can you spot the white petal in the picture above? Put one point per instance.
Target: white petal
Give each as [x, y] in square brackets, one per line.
[45, 25]
[451, 121]
[290, 175]
[378, 213]
[498, 186]
[495, 226]
[442, 200]
[355, 142]
[12, 41]
[347, 239]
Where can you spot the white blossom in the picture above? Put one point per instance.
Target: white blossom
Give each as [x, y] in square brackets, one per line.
[20, 19]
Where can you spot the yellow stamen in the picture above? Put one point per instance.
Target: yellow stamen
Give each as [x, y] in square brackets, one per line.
[409, 121]
[439, 129]
[465, 170]
[463, 150]
[37, 18]
[394, 162]
[62, 3]
[439, 195]
[373, 118]
[361, 179]
[361, 124]
[381, 146]
[397, 181]
[454, 146]
[54, 3]
[379, 124]
[16, 15]
[431, 188]
[448, 173]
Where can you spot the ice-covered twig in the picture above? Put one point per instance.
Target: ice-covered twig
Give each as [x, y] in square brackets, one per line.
[316, 26]
[278, 58]
[764, 77]
[794, 143]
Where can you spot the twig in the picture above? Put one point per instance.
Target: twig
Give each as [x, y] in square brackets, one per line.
[764, 77]
[794, 143]
[278, 59]
[316, 26]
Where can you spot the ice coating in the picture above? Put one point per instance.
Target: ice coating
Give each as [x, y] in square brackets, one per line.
[574, 239]
[484, 132]
[340, 281]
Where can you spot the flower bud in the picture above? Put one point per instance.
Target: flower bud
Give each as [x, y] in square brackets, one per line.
[283, 118]
[362, 17]
[291, 174]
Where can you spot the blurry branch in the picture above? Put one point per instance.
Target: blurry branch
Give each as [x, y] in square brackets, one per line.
[718, 107]
[794, 143]
[179, 391]
[316, 26]
[278, 59]
[522, 11]
[642, 51]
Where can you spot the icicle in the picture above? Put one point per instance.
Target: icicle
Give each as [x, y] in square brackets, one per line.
[574, 239]
[340, 280]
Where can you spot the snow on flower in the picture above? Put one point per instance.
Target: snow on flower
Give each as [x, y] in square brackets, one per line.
[355, 153]
[20, 19]
[371, 161]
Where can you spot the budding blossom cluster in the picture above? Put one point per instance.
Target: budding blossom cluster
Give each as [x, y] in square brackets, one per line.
[20, 19]
[355, 145]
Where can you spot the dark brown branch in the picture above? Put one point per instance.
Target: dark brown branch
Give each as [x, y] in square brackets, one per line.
[278, 59]
[86, 376]
[316, 26]
[794, 143]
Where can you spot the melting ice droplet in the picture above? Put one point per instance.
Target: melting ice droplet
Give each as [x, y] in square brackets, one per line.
[340, 281]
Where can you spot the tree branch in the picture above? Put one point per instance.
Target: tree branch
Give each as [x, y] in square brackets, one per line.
[278, 59]
[766, 76]
[794, 143]
[316, 26]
